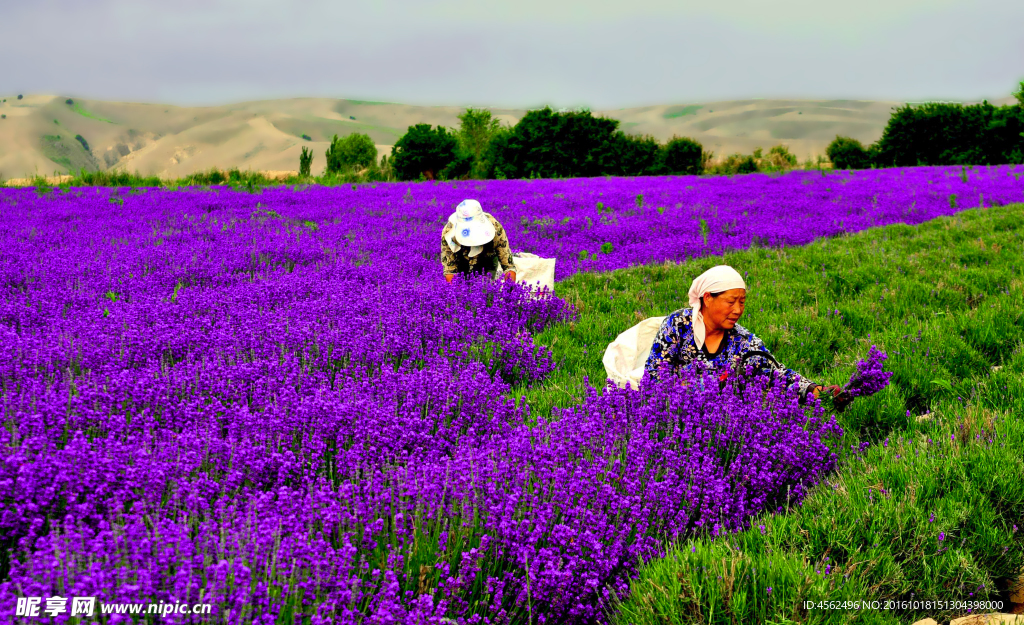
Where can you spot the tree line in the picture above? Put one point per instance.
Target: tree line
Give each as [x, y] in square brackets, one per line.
[568, 144]
[940, 134]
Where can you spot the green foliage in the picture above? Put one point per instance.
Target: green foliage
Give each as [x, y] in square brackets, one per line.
[630, 155]
[306, 137]
[19, 96]
[4, 116]
[114, 179]
[69, 102]
[1019, 94]
[305, 161]
[81, 139]
[477, 129]
[606, 248]
[423, 152]
[946, 301]
[779, 159]
[547, 144]
[952, 134]
[848, 153]
[355, 151]
[683, 156]
[929, 514]
[747, 165]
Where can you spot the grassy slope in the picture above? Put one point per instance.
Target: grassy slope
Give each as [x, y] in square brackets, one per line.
[946, 300]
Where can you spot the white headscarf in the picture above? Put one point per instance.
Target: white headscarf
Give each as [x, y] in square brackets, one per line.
[715, 280]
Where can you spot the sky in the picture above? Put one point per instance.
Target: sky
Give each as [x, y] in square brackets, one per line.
[601, 54]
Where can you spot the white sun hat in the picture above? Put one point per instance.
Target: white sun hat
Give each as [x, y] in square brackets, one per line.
[471, 227]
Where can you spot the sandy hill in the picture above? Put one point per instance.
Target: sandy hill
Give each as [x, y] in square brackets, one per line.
[49, 134]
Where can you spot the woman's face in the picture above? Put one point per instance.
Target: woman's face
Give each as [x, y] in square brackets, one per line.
[725, 310]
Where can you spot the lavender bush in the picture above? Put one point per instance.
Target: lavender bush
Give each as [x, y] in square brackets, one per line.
[274, 403]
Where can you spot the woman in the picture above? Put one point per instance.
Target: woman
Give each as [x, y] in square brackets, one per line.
[707, 332]
[473, 242]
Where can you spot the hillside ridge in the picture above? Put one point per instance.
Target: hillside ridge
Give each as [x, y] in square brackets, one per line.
[49, 134]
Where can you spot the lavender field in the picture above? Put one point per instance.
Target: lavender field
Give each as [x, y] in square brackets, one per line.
[273, 403]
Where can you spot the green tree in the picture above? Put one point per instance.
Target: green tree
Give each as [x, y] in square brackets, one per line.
[546, 144]
[1019, 94]
[683, 156]
[477, 128]
[353, 151]
[631, 155]
[305, 161]
[423, 151]
[848, 153]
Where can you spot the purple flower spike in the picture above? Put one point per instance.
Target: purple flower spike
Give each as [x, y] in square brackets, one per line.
[869, 377]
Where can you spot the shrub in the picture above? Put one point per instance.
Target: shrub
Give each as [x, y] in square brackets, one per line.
[69, 102]
[81, 139]
[307, 137]
[631, 155]
[747, 165]
[356, 151]
[1019, 94]
[20, 96]
[683, 156]
[779, 159]
[3, 116]
[848, 153]
[423, 151]
[305, 161]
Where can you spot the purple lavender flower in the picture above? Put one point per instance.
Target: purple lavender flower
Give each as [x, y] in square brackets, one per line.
[869, 377]
[275, 397]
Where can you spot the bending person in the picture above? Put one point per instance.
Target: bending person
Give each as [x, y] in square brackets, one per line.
[473, 243]
[707, 332]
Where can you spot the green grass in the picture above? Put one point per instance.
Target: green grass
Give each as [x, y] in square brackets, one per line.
[956, 280]
[245, 180]
[941, 529]
[945, 299]
[76, 107]
[681, 112]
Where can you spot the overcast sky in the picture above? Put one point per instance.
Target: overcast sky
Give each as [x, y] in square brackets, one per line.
[514, 53]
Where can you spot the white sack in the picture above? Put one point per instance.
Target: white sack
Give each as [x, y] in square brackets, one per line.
[535, 271]
[625, 358]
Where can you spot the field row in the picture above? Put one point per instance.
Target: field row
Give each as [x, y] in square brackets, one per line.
[274, 402]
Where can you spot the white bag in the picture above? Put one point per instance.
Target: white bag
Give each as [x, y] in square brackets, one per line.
[625, 358]
[535, 271]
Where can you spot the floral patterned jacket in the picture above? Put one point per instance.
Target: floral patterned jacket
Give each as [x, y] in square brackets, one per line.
[674, 347]
[496, 252]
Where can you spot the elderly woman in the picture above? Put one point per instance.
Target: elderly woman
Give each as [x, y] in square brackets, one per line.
[707, 332]
[473, 242]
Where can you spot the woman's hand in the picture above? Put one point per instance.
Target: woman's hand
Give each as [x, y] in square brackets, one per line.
[840, 398]
[510, 275]
[832, 389]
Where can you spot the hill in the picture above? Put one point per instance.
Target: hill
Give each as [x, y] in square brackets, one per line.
[45, 134]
